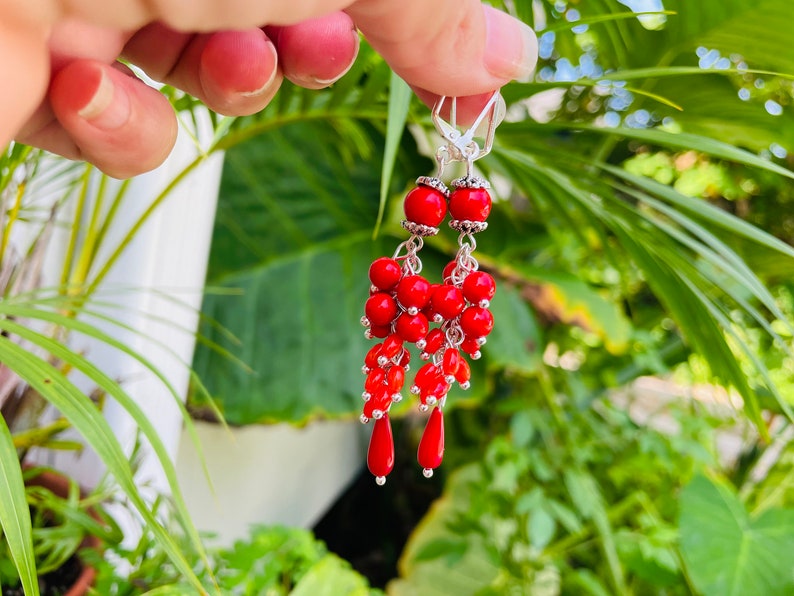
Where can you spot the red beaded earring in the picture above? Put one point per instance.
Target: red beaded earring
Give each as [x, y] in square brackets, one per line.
[403, 304]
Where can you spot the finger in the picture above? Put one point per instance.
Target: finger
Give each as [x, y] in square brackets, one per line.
[109, 118]
[24, 68]
[317, 52]
[197, 15]
[448, 47]
[234, 72]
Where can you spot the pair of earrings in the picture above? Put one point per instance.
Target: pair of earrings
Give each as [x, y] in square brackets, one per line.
[446, 321]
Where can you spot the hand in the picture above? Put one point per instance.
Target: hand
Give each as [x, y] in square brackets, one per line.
[67, 93]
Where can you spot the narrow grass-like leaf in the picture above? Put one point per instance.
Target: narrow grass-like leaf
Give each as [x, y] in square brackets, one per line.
[15, 514]
[399, 102]
[88, 421]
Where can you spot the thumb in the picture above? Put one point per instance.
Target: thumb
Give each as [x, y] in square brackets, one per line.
[448, 47]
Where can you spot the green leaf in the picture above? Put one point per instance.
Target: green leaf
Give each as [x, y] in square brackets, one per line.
[399, 102]
[15, 514]
[729, 552]
[331, 576]
[541, 527]
[516, 342]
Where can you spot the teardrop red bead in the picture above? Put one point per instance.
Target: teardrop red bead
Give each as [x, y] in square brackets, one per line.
[380, 455]
[431, 446]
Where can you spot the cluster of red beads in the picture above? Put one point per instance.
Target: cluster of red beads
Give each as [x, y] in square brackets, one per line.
[401, 309]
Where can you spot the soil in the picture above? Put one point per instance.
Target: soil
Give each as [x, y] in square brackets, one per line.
[370, 524]
[56, 583]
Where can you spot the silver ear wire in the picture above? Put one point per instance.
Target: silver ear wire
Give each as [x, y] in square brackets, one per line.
[462, 146]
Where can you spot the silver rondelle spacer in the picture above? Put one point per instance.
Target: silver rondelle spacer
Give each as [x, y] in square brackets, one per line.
[364, 322]
[412, 310]
[431, 401]
[427, 472]
[477, 355]
[396, 397]
[377, 414]
[481, 341]
[421, 344]
[450, 379]
[366, 396]
[437, 318]
[465, 385]
[471, 182]
[363, 419]
[468, 227]
[423, 408]
[433, 182]
[425, 356]
[484, 303]
[380, 480]
[368, 334]
[365, 369]
[418, 229]
[415, 389]
[382, 360]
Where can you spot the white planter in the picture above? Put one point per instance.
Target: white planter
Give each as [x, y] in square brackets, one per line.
[268, 474]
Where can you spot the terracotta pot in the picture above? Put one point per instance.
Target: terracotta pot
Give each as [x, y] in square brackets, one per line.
[59, 485]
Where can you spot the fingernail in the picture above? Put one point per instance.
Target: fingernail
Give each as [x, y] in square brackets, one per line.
[269, 83]
[311, 82]
[511, 47]
[109, 106]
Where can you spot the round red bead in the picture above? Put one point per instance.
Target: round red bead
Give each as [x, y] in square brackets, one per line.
[412, 328]
[431, 446]
[380, 331]
[434, 340]
[384, 273]
[381, 309]
[478, 286]
[471, 204]
[447, 301]
[426, 206]
[413, 291]
[380, 455]
[446, 274]
[470, 346]
[476, 321]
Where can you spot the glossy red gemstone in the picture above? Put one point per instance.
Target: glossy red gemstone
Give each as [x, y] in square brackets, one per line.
[426, 206]
[447, 301]
[380, 455]
[477, 286]
[375, 380]
[384, 273]
[392, 346]
[434, 340]
[405, 359]
[451, 361]
[381, 309]
[413, 291]
[470, 346]
[463, 374]
[431, 447]
[371, 359]
[472, 204]
[395, 379]
[412, 328]
[433, 392]
[380, 331]
[476, 321]
[446, 274]
[428, 375]
[379, 402]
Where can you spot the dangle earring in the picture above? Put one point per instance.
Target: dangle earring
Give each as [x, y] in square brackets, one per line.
[403, 304]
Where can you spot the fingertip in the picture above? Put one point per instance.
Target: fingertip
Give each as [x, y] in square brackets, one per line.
[317, 52]
[511, 47]
[239, 71]
[121, 125]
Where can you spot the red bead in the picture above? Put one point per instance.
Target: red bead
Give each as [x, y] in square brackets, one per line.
[433, 392]
[434, 340]
[395, 378]
[426, 206]
[392, 346]
[447, 301]
[463, 373]
[472, 204]
[381, 309]
[380, 455]
[379, 402]
[451, 362]
[478, 286]
[413, 291]
[384, 273]
[446, 274]
[371, 359]
[471, 347]
[405, 359]
[476, 321]
[412, 328]
[380, 331]
[375, 380]
[431, 447]
[427, 376]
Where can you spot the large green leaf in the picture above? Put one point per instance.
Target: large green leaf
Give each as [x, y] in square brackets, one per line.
[729, 552]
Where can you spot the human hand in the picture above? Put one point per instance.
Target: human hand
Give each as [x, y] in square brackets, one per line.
[88, 107]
